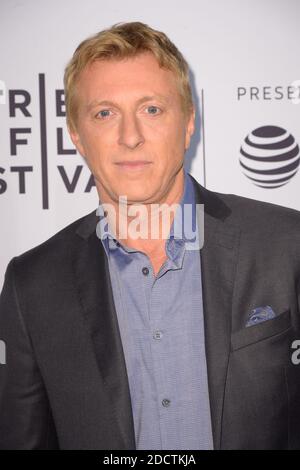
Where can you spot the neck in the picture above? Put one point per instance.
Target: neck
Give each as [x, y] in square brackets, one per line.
[145, 226]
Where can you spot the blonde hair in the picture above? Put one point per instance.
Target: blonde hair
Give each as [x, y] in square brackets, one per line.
[121, 41]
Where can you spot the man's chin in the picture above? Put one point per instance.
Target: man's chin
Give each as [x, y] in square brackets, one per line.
[136, 193]
[135, 198]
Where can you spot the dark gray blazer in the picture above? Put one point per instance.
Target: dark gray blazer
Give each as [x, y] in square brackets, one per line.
[64, 384]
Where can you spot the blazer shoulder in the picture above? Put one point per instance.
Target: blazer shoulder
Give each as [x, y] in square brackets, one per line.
[253, 215]
[246, 214]
[50, 255]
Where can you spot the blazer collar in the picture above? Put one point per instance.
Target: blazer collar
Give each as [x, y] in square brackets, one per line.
[219, 257]
[95, 293]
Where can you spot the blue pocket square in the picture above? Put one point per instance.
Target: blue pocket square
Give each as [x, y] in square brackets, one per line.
[260, 314]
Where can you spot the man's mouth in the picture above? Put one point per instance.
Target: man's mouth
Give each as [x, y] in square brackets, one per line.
[133, 165]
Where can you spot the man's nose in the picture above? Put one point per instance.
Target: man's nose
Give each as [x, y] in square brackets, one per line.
[130, 132]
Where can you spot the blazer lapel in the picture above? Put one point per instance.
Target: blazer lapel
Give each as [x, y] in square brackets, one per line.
[218, 266]
[95, 291]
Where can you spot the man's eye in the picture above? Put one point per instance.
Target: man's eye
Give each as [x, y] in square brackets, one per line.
[153, 110]
[104, 113]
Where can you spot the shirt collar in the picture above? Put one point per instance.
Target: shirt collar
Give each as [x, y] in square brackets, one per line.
[182, 227]
[184, 219]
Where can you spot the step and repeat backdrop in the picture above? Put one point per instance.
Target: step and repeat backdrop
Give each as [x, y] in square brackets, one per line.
[245, 73]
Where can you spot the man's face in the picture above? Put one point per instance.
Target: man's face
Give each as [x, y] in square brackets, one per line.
[131, 128]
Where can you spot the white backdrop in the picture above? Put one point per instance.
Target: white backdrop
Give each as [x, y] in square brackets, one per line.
[244, 59]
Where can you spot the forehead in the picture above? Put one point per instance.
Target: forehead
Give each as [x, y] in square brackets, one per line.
[132, 76]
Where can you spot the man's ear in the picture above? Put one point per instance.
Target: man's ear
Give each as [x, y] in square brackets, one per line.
[75, 137]
[190, 128]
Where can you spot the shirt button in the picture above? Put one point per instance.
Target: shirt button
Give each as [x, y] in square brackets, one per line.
[166, 402]
[145, 271]
[116, 242]
[157, 335]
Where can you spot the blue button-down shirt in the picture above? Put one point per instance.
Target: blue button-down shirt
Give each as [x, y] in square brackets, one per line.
[162, 331]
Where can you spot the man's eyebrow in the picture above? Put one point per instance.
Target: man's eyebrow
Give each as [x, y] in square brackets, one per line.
[94, 103]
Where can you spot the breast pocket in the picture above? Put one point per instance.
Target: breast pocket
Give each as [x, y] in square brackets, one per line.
[261, 331]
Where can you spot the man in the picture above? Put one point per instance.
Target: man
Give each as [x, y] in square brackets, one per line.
[119, 341]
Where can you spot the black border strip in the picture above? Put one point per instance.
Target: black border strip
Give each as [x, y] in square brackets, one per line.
[43, 131]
